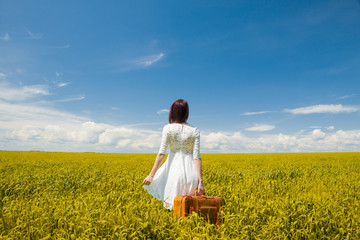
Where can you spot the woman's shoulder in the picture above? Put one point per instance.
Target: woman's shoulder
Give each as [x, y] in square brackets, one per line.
[195, 130]
[192, 126]
[166, 126]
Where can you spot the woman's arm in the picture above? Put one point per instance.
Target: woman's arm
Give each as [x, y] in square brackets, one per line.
[197, 162]
[159, 159]
[198, 167]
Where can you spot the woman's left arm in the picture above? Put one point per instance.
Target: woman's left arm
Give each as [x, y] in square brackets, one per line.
[198, 168]
[198, 162]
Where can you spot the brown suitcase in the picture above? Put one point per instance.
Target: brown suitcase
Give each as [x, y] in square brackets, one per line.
[208, 207]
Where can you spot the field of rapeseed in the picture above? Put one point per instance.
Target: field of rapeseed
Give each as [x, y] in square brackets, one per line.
[47, 195]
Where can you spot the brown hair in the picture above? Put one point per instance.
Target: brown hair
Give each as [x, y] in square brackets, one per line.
[179, 111]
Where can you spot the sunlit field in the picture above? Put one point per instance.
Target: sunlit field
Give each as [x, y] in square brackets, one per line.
[95, 196]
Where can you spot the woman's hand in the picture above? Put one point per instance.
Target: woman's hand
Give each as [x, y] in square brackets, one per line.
[148, 180]
[200, 188]
[159, 159]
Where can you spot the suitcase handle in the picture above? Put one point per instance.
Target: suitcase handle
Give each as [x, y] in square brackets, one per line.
[197, 193]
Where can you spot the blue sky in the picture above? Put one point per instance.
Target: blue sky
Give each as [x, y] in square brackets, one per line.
[259, 76]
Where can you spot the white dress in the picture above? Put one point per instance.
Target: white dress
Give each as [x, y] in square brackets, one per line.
[177, 176]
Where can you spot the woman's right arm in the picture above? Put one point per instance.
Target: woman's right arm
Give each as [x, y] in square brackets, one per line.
[159, 159]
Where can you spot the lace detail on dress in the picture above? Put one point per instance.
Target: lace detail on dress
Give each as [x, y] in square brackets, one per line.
[181, 138]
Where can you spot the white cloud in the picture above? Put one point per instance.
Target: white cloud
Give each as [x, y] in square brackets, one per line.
[34, 35]
[260, 128]
[13, 112]
[140, 62]
[81, 97]
[317, 133]
[315, 141]
[26, 126]
[23, 93]
[114, 108]
[330, 128]
[163, 111]
[86, 136]
[87, 133]
[113, 135]
[58, 74]
[347, 96]
[63, 84]
[314, 127]
[147, 61]
[51, 130]
[253, 113]
[6, 37]
[323, 108]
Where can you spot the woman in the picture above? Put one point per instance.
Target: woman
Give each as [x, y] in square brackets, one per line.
[181, 173]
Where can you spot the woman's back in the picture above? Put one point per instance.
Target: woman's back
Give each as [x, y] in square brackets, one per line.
[181, 137]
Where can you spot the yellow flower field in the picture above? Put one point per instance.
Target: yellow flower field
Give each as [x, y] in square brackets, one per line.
[100, 196]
